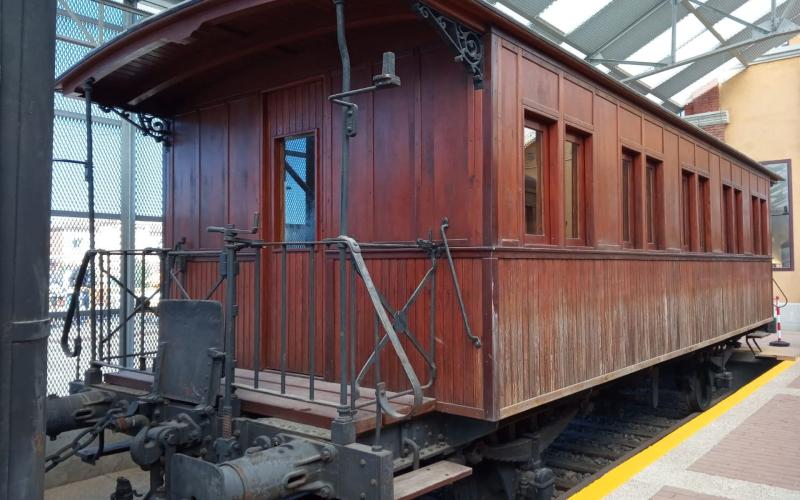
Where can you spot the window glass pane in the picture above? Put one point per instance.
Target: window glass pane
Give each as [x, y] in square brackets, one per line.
[650, 201]
[627, 197]
[704, 215]
[299, 207]
[686, 210]
[533, 181]
[727, 222]
[739, 214]
[780, 217]
[571, 189]
[755, 215]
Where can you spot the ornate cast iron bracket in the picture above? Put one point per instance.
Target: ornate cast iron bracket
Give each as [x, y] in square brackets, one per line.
[148, 125]
[467, 43]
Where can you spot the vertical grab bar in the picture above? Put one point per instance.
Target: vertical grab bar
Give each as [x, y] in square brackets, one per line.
[312, 308]
[353, 338]
[142, 298]
[257, 319]
[283, 317]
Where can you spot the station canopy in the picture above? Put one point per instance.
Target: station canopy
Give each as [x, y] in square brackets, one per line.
[663, 49]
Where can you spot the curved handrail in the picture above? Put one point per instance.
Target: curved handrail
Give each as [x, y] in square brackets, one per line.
[416, 388]
[73, 305]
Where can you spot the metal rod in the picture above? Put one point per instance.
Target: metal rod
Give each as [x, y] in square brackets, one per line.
[774, 15]
[284, 305]
[257, 319]
[729, 16]
[626, 30]
[312, 309]
[142, 311]
[674, 46]
[108, 300]
[353, 337]
[89, 174]
[230, 339]
[378, 386]
[343, 205]
[724, 48]
[123, 306]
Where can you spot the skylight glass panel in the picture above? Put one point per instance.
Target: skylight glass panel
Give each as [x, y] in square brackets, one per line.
[659, 78]
[720, 74]
[567, 15]
[512, 13]
[704, 42]
[572, 50]
[751, 12]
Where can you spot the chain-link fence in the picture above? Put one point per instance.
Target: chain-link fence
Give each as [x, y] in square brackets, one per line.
[128, 201]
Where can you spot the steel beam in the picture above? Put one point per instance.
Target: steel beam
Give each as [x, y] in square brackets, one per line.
[710, 27]
[27, 48]
[714, 52]
[627, 29]
[730, 16]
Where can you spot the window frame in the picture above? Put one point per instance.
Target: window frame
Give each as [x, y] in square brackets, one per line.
[738, 206]
[631, 203]
[545, 127]
[688, 210]
[790, 202]
[755, 223]
[703, 203]
[728, 219]
[581, 239]
[654, 202]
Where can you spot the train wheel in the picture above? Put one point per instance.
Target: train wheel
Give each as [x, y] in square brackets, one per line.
[700, 388]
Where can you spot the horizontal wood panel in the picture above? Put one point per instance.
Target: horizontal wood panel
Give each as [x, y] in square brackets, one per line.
[562, 322]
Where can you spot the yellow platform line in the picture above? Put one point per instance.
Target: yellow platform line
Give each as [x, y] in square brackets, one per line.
[620, 474]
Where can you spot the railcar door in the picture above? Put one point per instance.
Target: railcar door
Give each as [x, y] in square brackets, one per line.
[293, 280]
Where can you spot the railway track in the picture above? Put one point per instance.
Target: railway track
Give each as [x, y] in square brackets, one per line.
[620, 426]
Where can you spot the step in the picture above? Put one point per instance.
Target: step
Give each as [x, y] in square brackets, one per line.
[429, 478]
[760, 334]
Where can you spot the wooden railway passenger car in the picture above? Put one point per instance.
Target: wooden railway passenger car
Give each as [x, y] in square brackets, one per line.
[594, 234]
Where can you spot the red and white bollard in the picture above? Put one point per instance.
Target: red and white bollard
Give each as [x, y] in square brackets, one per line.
[780, 342]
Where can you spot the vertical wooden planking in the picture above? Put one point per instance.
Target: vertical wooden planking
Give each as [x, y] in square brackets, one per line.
[562, 321]
[244, 172]
[213, 173]
[185, 180]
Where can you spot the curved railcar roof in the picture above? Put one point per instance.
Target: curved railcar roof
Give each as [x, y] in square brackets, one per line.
[146, 68]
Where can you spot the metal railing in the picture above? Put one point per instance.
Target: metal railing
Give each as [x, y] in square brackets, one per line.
[390, 326]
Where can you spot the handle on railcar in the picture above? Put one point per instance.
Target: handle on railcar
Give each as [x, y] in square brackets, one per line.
[73, 304]
[416, 388]
[472, 338]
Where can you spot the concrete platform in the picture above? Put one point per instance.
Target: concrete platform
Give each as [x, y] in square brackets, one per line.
[745, 448]
[99, 487]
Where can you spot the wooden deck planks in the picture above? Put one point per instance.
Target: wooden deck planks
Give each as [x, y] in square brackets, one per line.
[316, 414]
[426, 479]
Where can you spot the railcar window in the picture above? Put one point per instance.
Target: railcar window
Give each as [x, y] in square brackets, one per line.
[728, 219]
[764, 227]
[653, 200]
[574, 175]
[704, 216]
[755, 216]
[780, 218]
[686, 210]
[739, 218]
[628, 199]
[297, 174]
[534, 154]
